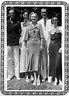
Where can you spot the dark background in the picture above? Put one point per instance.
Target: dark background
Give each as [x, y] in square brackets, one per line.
[50, 10]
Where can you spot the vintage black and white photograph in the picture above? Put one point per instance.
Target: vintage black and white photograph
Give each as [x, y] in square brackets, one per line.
[34, 47]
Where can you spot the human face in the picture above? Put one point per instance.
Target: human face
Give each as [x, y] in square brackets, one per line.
[33, 18]
[55, 21]
[25, 15]
[44, 13]
[12, 14]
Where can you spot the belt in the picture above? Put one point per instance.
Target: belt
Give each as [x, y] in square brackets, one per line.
[34, 39]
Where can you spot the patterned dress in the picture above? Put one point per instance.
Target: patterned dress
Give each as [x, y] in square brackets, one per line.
[33, 37]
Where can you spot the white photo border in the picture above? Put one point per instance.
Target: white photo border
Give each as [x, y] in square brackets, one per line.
[66, 47]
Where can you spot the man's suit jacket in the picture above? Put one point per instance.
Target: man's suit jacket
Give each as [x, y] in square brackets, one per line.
[13, 33]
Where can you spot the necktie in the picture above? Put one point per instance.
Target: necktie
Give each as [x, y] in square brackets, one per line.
[45, 22]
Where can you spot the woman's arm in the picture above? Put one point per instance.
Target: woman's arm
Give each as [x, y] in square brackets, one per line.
[26, 38]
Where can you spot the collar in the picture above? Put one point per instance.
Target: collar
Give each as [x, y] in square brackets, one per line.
[25, 23]
[11, 20]
[46, 19]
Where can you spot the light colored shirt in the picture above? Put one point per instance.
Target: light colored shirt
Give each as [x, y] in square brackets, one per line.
[58, 29]
[46, 29]
[53, 29]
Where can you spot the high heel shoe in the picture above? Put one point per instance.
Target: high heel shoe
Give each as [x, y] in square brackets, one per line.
[27, 80]
[34, 83]
[32, 78]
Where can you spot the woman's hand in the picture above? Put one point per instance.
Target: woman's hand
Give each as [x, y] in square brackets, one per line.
[60, 50]
[47, 50]
[41, 47]
[20, 40]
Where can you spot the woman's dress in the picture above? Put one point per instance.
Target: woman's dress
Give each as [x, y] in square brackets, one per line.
[23, 56]
[33, 37]
[54, 47]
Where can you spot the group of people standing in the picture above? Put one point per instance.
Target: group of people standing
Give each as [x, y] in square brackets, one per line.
[35, 47]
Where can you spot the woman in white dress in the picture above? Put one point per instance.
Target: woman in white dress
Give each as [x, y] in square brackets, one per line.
[23, 55]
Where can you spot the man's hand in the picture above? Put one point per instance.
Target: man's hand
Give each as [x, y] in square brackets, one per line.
[41, 47]
[60, 50]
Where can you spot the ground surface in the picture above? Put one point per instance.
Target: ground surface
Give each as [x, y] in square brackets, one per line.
[14, 84]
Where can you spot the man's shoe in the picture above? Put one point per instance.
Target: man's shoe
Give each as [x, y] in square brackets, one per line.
[38, 82]
[49, 79]
[55, 82]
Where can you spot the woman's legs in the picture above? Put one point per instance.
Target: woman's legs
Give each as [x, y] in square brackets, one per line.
[38, 78]
[35, 68]
[52, 67]
[34, 82]
[58, 68]
[29, 61]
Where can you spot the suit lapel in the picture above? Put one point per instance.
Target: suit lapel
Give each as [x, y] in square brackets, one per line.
[10, 26]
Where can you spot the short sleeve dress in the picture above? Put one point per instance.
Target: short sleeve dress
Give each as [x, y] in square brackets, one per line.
[33, 37]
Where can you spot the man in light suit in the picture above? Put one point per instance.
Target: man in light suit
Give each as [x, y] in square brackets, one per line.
[46, 25]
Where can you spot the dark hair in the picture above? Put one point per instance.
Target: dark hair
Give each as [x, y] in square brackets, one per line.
[25, 10]
[56, 15]
[46, 11]
[16, 11]
[21, 14]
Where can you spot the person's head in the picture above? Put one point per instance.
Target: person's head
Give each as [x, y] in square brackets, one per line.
[12, 13]
[54, 20]
[44, 13]
[33, 17]
[25, 14]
